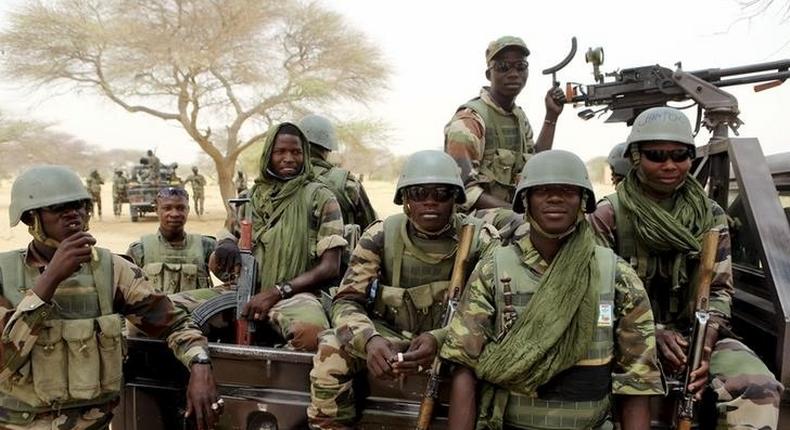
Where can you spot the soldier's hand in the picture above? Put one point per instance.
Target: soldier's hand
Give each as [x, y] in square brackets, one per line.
[419, 356]
[226, 259]
[202, 398]
[71, 253]
[380, 354]
[672, 347]
[260, 304]
[699, 377]
[555, 101]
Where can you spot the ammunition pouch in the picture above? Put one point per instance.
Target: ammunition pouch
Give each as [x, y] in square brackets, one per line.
[414, 309]
[172, 277]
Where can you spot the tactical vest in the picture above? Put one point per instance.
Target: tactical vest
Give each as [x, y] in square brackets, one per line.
[78, 355]
[506, 150]
[578, 397]
[173, 270]
[411, 296]
[653, 269]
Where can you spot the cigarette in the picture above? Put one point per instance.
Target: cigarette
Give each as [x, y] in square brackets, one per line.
[400, 357]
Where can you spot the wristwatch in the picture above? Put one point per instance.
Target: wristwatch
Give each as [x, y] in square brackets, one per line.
[200, 358]
[285, 289]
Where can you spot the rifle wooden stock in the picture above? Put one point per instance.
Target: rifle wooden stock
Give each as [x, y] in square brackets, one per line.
[710, 244]
[457, 282]
[245, 284]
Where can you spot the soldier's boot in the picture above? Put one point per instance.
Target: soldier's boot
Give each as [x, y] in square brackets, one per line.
[332, 404]
[299, 319]
[748, 394]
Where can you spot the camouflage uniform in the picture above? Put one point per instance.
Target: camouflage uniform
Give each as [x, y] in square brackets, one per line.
[23, 326]
[342, 351]
[497, 155]
[119, 186]
[349, 192]
[746, 390]
[94, 183]
[631, 355]
[198, 182]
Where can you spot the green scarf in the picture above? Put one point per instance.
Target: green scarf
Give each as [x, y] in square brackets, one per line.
[678, 231]
[281, 219]
[552, 334]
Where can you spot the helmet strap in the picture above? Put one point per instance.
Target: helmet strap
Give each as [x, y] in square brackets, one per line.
[37, 231]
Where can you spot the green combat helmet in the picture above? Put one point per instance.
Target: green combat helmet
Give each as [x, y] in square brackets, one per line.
[661, 123]
[554, 167]
[319, 131]
[430, 167]
[618, 160]
[41, 186]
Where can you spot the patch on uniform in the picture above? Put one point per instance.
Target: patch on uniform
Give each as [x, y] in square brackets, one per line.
[605, 315]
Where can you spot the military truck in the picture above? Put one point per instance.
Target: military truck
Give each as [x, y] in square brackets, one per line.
[141, 190]
[268, 388]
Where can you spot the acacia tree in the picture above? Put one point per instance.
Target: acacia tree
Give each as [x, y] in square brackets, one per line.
[238, 66]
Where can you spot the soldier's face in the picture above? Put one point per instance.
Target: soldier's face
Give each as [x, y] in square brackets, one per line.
[508, 72]
[63, 220]
[172, 212]
[554, 207]
[667, 174]
[429, 206]
[287, 156]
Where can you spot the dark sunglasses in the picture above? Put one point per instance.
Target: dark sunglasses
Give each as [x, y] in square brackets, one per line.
[662, 155]
[438, 194]
[172, 192]
[504, 66]
[74, 205]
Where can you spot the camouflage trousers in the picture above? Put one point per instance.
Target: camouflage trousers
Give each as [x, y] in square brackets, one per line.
[747, 393]
[95, 418]
[298, 319]
[197, 196]
[332, 402]
[505, 220]
[96, 197]
[117, 204]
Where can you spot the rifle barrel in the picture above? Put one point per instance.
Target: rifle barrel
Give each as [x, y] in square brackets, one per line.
[777, 76]
[742, 70]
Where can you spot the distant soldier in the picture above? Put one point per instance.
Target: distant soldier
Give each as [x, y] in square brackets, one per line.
[153, 167]
[391, 298]
[656, 221]
[94, 183]
[619, 163]
[198, 182]
[119, 187]
[348, 190]
[174, 260]
[490, 137]
[241, 182]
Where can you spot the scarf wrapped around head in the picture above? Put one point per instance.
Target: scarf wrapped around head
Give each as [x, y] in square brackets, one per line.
[280, 221]
[552, 334]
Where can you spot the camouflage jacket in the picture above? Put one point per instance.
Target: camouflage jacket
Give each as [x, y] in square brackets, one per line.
[721, 288]
[94, 184]
[198, 181]
[352, 198]
[149, 310]
[635, 368]
[119, 185]
[349, 309]
[465, 136]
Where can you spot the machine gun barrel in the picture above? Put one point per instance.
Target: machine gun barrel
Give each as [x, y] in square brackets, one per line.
[717, 73]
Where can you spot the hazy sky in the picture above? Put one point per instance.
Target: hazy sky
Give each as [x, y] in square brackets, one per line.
[436, 51]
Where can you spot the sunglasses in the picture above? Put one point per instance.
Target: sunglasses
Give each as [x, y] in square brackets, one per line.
[504, 66]
[75, 205]
[438, 194]
[662, 155]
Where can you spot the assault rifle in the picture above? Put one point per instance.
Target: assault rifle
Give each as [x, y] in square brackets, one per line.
[699, 330]
[457, 282]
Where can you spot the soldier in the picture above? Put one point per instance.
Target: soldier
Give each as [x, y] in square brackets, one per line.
[61, 310]
[348, 191]
[674, 213]
[119, 186]
[174, 260]
[153, 166]
[390, 300]
[490, 137]
[94, 183]
[198, 184]
[619, 163]
[241, 182]
[554, 325]
[297, 231]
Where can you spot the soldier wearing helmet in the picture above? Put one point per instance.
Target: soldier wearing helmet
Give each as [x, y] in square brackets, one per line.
[63, 300]
[120, 185]
[400, 269]
[347, 189]
[94, 183]
[490, 137]
[198, 182]
[553, 325]
[619, 162]
[663, 247]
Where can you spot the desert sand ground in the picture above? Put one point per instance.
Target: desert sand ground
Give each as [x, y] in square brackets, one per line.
[117, 233]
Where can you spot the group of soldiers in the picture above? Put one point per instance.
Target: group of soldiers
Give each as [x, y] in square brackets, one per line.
[574, 315]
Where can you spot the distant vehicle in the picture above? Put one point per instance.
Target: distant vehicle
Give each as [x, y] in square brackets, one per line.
[142, 189]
